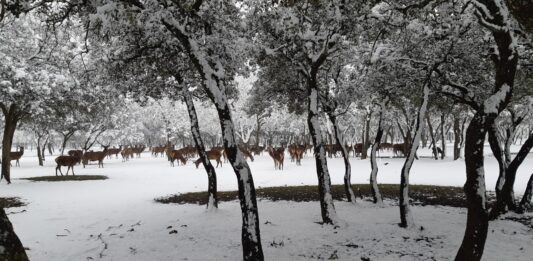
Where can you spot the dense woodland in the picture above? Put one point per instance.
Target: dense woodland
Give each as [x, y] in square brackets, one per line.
[205, 79]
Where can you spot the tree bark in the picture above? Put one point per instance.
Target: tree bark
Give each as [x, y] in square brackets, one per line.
[350, 195]
[376, 194]
[212, 201]
[11, 118]
[443, 135]
[457, 138]
[329, 215]
[66, 137]
[366, 140]
[250, 233]
[525, 203]
[497, 151]
[12, 248]
[432, 135]
[406, 216]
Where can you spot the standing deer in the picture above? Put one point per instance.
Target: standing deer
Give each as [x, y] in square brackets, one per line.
[213, 154]
[278, 154]
[246, 153]
[114, 151]
[76, 153]
[95, 156]
[67, 161]
[16, 155]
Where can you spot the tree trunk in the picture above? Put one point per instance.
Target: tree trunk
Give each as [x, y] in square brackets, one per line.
[497, 151]
[12, 248]
[66, 137]
[376, 194]
[10, 125]
[507, 193]
[457, 138]
[406, 216]
[477, 217]
[432, 135]
[525, 203]
[443, 135]
[350, 195]
[258, 131]
[210, 170]
[329, 215]
[366, 140]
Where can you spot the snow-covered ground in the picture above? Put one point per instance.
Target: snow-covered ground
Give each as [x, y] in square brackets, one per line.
[117, 219]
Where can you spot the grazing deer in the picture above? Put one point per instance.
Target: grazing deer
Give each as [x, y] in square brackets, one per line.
[67, 161]
[76, 153]
[278, 154]
[213, 154]
[114, 151]
[16, 155]
[177, 155]
[95, 156]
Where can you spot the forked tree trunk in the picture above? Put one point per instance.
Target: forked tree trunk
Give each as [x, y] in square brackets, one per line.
[66, 138]
[11, 118]
[376, 194]
[350, 195]
[214, 87]
[406, 216]
[329, 215]
[11, 247]
[505, 62]
[209, 169]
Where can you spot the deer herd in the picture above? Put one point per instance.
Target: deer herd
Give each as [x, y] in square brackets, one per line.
[218, 154]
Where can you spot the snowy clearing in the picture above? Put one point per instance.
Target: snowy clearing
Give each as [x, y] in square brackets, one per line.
[74, 220]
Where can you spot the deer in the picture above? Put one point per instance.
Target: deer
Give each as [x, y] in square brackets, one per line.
[67, 161]
[95, 156]
[158, 150]
[385, 146]
[114, 151]
[138, 150]
[298, 152]
[246, 153]
[399, 148]
[278, 154]
[126, 153]
[177, 155]
[76, 153]
[357, 149]
[16, 155]
[213, 154]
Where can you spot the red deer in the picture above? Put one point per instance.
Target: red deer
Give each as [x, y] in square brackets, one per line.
[278, 155]
[158, 150]
[246, 153]
[138, 150]
[385, 146]
[177, 155]
[95, 156]
[126, 153]
[76, 153]
[257, 150]
[213, 154]
[16, 156]
[67, 161]
[296, 152]
[357, 149]
[400, 148]
[114, 151]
